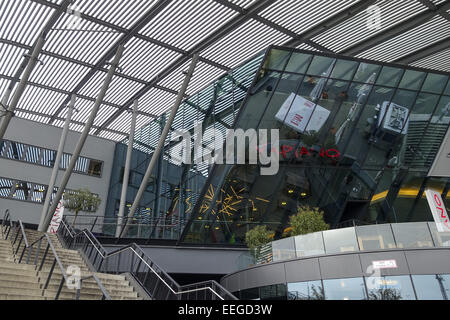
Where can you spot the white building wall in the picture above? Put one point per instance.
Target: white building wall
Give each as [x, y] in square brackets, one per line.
[47, 136]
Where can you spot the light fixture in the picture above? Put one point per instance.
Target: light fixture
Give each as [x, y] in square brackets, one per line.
[199, 218]
[217, 228]
[303, 194]
[290, 191]
[283, 203]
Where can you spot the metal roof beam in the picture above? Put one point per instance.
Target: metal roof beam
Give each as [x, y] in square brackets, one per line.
[106, 103]
[425, 52]
[138, 36]
[271, 24]
[330, 22]
[395, 30]
[141, 23]
[27, 68]
[430, 5]
[35, 113]
[229, 27]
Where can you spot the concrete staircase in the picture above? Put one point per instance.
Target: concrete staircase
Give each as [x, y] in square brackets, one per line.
[24, 282]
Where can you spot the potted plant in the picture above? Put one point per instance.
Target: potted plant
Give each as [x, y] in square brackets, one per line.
[256, 239]
[81, 200]
[307, 220]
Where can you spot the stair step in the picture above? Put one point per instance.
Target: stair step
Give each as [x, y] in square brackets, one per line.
[22, 284]
[89, 296]
[15, 266]
[20, 297]
[22, 278]
[20, 291]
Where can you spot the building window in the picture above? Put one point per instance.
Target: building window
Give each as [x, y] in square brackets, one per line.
[308, 290]
[390, 288]
[95, 168]
[429, 287]
[344, 289]
[45, 157]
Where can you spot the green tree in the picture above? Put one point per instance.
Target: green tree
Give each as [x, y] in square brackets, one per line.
[81, 200]
[307, 220]
[256, 238]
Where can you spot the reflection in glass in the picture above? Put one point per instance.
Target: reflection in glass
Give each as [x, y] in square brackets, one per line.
[428, 287]
[283, 249]
[308, 290]
[441, 239]
[412, 80]
[299, 62]
[340, 240]
[435, 83]
[345, 289]
[309, 244]
[375, 237]
[390, 288]
[412, 235]
[344, 69]
[389, 76]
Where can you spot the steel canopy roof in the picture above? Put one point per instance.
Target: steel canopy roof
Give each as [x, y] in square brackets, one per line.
[160, 37]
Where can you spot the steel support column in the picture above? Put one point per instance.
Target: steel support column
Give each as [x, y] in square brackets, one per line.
[21, 87]
[162, 139]
[84, 135]
[59, 154]
[126, 173]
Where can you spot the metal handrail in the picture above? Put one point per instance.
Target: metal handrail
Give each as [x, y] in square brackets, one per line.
[150, 265]
[57, 260]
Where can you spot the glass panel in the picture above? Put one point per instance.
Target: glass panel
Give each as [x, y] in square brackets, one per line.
[444, 280]
[390, 288]
[308, 290]
[412, 235]
[375, 237]
[250, 294]
[273, 292]
[95, 168]
[412, 80]
[389, 76]
[309, 244]
[5, 187]
[283, 249]
[276, 59]
[299, 62]
[447, 90]
[344, 69]
[435, 83]
[428, 287]
[321, 66]
[344, 289]
[48, 157]
[366, 71]
[441, 239]
[340, 240]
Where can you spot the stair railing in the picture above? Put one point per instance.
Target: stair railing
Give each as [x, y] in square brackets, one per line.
[132, 259]
[19, 233]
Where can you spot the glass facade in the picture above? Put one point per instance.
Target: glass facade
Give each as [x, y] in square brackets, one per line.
[403, 287]
[357, 139]
[354, 239]
[175, 187]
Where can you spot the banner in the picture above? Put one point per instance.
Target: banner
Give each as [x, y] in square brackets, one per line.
[438, 210]
[301, 114]
[57, 217]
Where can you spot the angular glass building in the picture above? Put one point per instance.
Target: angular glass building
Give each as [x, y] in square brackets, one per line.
[357, 139]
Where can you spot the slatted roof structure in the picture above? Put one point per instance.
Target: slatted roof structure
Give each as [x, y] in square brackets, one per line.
[160, 37]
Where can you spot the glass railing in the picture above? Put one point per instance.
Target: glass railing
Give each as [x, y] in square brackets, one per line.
[353, 239]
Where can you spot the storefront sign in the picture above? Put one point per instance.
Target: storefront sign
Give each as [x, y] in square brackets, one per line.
[438, 210]
[301, 114]
[56, 219]
[384, 264]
